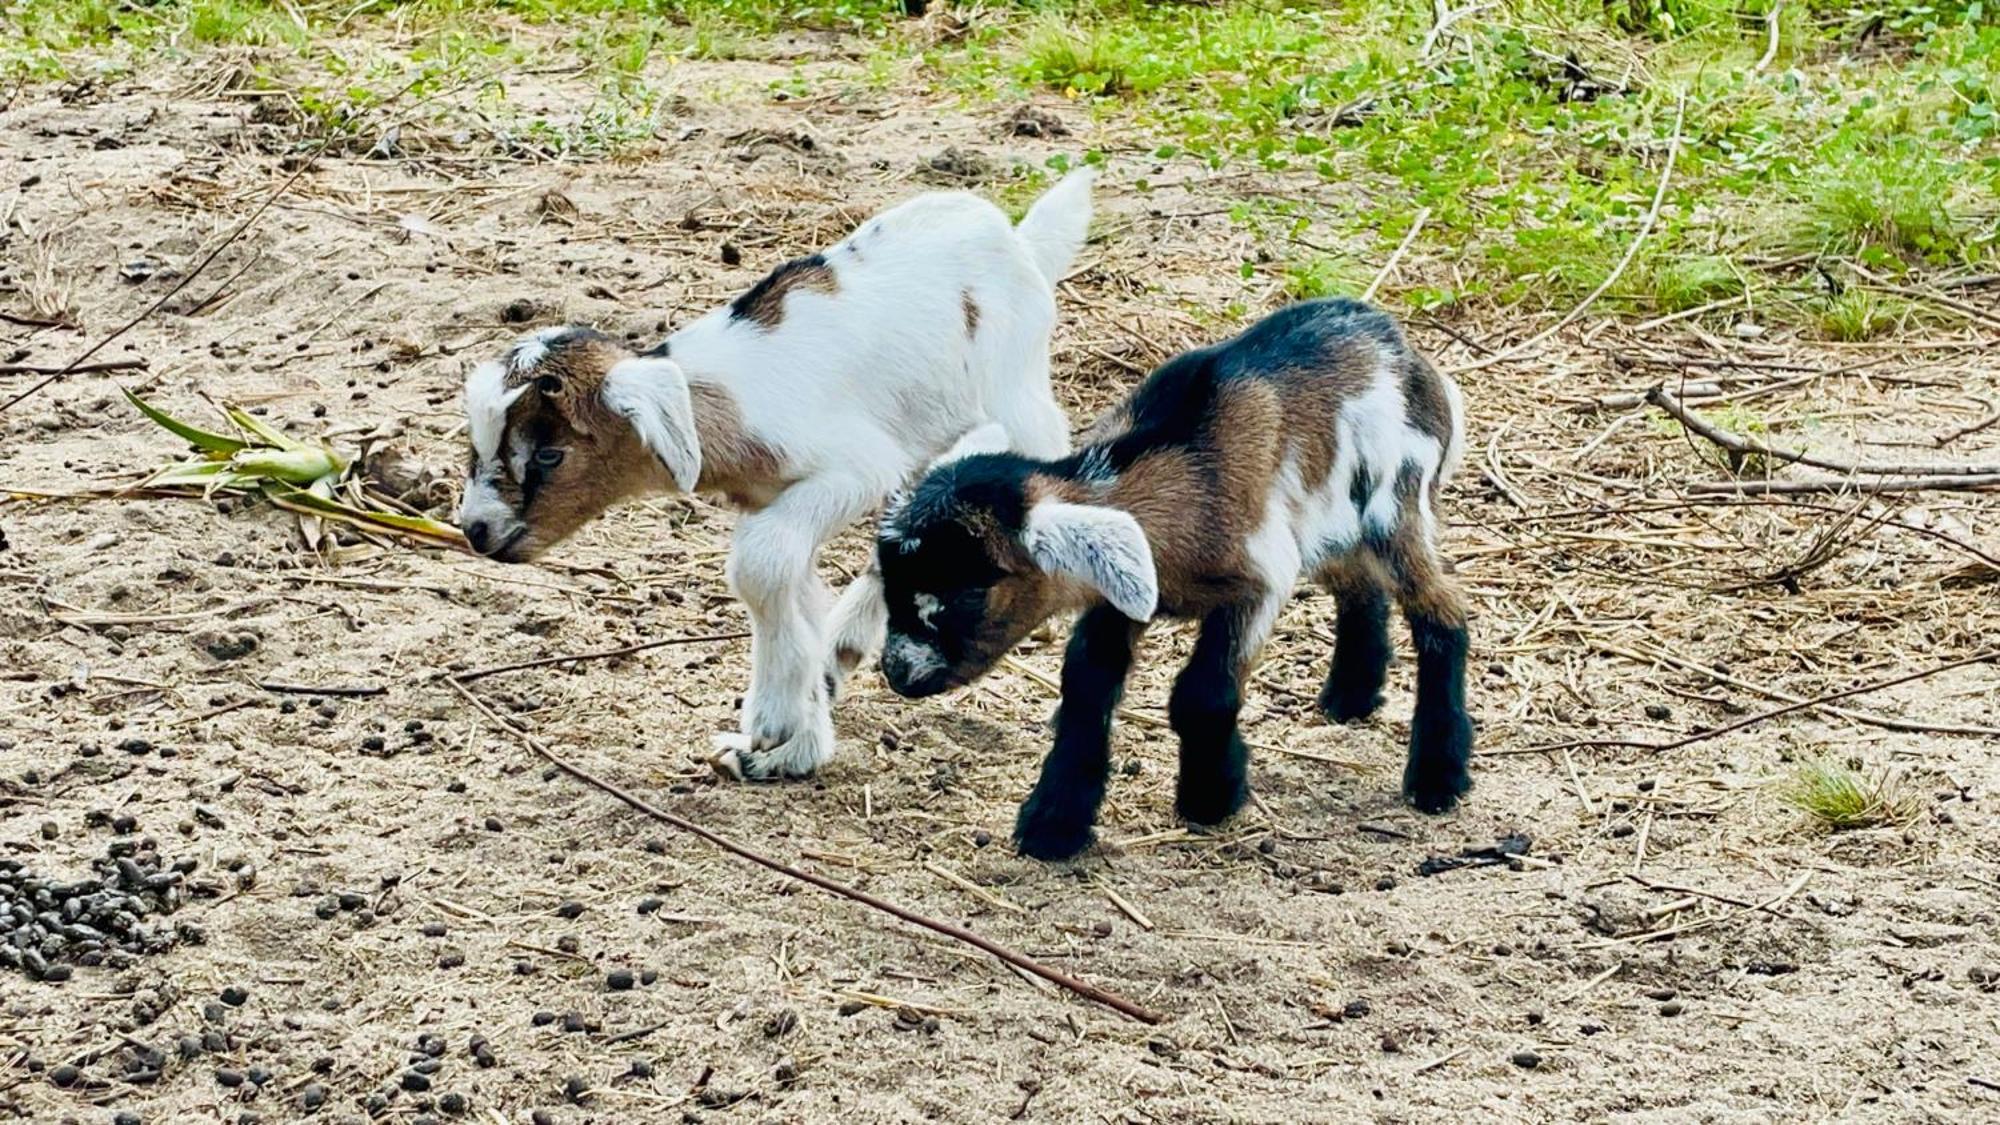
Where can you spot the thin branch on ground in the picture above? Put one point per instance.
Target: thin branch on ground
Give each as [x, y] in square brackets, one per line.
[1737, 443]
[1618, 271]
[1018, 960]
[1760, 717]
[599, 654]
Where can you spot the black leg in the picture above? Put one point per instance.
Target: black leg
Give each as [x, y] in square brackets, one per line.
[1436, 774]
[1361, 653]
[1056, 818]
[1207, 696]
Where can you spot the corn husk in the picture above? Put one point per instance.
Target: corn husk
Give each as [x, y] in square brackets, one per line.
[311, 480]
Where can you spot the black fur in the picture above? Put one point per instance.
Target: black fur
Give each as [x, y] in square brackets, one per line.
[1056, 819]
[1436, 774]
[1208, 694]
[1361, 652]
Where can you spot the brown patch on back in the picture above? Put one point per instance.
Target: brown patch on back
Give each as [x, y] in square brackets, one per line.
[971, 308]
[1424, 398]
[734, 461]
[764, 302]
[1313, 399]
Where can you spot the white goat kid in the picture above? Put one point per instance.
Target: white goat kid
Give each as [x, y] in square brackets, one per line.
[803, 401]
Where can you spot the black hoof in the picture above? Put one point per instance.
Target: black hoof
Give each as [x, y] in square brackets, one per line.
[1349, 706]
[1212, 801]
[1437, 773]
[1047, 831]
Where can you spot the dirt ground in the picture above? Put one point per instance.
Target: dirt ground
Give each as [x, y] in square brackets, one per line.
[1678, 946]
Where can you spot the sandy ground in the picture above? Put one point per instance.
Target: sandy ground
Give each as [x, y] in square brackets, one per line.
[1307, 970]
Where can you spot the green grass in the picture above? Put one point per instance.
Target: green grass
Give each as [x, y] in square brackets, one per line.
[1535, 133]
[1842, 798]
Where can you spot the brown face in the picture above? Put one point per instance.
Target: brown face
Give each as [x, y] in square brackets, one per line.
[547, 454]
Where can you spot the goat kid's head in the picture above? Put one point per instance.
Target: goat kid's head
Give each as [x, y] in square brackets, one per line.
[566, 424]
[975, 555]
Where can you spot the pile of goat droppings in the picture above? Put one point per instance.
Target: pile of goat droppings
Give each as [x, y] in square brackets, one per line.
[47, 925]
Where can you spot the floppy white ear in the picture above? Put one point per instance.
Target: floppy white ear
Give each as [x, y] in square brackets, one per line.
[651, 392]
[990, 437]
[1104, 548]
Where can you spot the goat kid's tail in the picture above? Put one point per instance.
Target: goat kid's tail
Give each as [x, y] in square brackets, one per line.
[1054, 228]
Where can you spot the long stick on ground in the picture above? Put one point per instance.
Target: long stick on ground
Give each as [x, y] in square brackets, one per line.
[1736, 443]
[1618, 271]
[156, 306]
[598, 654]
[1019, 960]
[1753, 720]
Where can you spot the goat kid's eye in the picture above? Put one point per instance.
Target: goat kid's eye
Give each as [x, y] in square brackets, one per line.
[548, 457]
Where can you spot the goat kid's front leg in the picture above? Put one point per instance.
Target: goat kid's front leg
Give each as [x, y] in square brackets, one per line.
[860, 619]
[1056, 819]
[787, 723]
[1208, 694]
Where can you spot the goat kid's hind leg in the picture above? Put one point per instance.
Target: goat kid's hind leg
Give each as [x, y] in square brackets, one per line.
[1361, 648]
[1056, 819]
[1437, 772]
[787, 724]
[1208, 694]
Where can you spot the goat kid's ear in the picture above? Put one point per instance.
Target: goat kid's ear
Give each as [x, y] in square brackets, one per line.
[1101, 547]
[990, 437]
[651, 392]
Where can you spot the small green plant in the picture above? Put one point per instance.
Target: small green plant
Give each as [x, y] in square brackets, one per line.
[1858, 314]
[1316, 277]
[1679, 284]
[1843, 798]
[1061, 54]
[1900, 200]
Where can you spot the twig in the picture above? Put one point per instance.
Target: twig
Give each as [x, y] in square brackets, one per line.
[169, 295]
[313, 689]
[1439, 1061]
[1618, 271]
[73, 369]
[32, 321]
[1845, 484]
[1760, 717]
[1771, 44]
[1737, 443]
[1082, 988]
[600, 654]
[1593, 982]
[1443, 19]
[1388, 267]
[1972, 427]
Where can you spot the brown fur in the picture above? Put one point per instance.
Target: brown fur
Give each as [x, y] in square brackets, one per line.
[734, 461]
[765, 301]
[1424, 398]
[971, 308]
[604, 461]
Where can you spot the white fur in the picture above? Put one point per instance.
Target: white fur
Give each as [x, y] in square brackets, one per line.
[1104, 548]
[486, 401]
[1305, 527]
[856, 390]
[652, 393]
[991, 437]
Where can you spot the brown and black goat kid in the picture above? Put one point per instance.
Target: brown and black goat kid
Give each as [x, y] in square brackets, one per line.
[1314, 444]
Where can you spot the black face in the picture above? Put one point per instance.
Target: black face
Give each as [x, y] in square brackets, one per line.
[937, 584]
[959, 591]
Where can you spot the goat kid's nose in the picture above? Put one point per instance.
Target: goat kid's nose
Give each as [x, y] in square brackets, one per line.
[480, 534]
